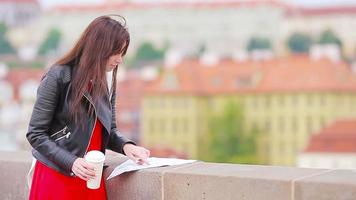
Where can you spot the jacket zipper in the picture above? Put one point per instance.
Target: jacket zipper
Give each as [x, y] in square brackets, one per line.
[94, 123]
[64, 136]
[62, 130]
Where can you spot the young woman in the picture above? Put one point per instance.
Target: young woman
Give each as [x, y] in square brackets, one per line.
[74, 113]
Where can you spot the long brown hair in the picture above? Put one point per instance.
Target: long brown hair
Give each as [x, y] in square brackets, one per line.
[103, 38]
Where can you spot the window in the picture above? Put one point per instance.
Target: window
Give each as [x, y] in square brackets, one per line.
[174, 126]
[268, 101]
[294, 122]
[309, 125]
[268, 126]
[185, 125]
[322, 100]
[170, 81]
[281, 124]
[163, 126]
[281, 100]
[216, 81]
[295, 100]
[151, 125]
[309, 100]
[243, 82]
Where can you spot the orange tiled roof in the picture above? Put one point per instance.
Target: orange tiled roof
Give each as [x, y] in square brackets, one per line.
[301, 11]
[339, 137]
[19, 75]
[288, 74]
[173, 5]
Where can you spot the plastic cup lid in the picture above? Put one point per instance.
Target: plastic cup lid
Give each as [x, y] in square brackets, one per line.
[95, 156]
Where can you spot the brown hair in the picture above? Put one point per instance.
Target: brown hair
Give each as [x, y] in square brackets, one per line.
[103, 38]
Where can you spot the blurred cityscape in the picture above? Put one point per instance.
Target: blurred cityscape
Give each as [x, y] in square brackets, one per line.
[237, 81]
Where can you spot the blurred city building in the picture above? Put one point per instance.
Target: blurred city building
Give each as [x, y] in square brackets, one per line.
[286, 98]
[210, 59]
[19, 12]
[167, 153]
[130, 89]
[219, 26]
[339, 19]
[19, 86]
[332, 147]
[183, 24]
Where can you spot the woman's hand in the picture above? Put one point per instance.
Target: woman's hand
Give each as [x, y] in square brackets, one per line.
[136, 153]
[83, 169]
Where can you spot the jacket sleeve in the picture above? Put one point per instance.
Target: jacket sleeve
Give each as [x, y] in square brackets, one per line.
[116, 141]
[45, 105]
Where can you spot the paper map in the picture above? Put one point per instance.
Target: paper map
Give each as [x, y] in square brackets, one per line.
[130, 165]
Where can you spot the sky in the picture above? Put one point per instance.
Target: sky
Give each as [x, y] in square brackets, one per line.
[308, 3]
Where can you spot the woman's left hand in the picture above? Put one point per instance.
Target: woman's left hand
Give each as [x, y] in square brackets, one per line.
[136, 153]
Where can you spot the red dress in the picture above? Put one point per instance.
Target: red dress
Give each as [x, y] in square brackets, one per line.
[48, 184]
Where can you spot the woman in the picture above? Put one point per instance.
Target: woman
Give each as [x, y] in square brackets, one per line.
[74, 113]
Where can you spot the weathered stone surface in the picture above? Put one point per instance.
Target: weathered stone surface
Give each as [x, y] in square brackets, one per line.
[13, 172]
[332, 185]
[230, 181]
[199, 180]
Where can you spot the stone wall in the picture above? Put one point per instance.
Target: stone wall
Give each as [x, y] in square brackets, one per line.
[200, 180]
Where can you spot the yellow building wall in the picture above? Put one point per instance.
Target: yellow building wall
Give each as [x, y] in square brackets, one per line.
[289, 119]
[171, 122]
[285, 120]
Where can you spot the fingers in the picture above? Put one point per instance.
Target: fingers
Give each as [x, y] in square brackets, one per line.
[148, 152]
[80, 174]
[140, 155]
[83, 169]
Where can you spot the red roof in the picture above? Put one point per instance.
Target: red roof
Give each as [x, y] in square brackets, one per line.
[287, 74]
[339, 137]
[173, 5]
[18, 76]
[320, 11]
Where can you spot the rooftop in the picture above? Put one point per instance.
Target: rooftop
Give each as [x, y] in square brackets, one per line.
[338, 137]
[287, 74]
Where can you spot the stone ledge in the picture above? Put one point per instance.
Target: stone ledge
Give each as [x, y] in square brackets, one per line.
[200, 180]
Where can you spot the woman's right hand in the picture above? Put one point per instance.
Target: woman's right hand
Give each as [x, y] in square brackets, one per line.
[83, 169]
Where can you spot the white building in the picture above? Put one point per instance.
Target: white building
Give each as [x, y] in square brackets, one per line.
[19, 12]
[222, 26]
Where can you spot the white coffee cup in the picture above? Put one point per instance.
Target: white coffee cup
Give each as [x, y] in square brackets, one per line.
[95, 158]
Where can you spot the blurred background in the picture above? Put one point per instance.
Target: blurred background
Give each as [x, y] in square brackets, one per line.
[237, 81]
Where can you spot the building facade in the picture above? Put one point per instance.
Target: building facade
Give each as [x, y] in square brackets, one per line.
[286, 99]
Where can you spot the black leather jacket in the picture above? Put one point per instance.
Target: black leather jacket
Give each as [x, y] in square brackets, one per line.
[57, 142]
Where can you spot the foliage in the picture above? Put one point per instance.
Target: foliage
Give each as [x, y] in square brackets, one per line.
[5, 46]
[256, 43]
[148, 52]
[299, 42]
[329, 37]
[228, 139]
[51, 42]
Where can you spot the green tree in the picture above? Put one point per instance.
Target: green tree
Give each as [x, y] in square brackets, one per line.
[256, 43]
[5, 46]
[148, 52]
[228, 139]
[329, 37]
[51, 42]
[299, 42]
